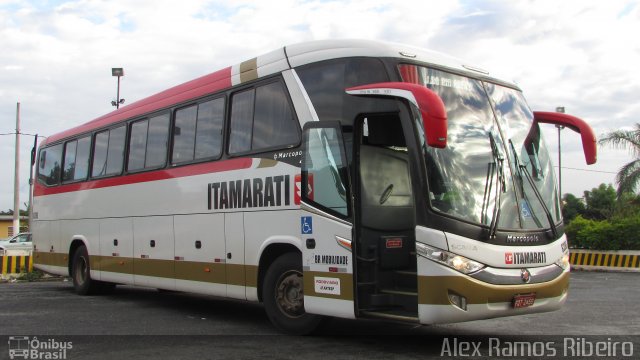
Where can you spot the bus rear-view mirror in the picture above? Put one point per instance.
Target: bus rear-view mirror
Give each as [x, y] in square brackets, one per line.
[576, 124]
[429, 104]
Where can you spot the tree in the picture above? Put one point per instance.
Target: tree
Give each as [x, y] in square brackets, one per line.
[572, 207]
[600, 202]
[628, 177]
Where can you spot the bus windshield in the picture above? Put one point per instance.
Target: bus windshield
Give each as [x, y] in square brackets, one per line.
[495, 154]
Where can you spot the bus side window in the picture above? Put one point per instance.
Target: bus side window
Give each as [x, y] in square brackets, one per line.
[50, 165]
[198, 131]
[108, 152]
[261, 119]
[76, 159]
[148, 143]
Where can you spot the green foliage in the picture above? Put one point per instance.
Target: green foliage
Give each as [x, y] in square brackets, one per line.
[34, 275]
[572, 207]
[600, 202]
[618, 233]
[628, 178]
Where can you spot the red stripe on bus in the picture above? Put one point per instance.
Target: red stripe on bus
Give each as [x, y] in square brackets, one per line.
[194, 89]
[184, 171]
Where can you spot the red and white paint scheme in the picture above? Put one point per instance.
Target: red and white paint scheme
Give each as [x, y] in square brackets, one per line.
[351, 178]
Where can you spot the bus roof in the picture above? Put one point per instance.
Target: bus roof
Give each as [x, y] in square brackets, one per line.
[276, 61]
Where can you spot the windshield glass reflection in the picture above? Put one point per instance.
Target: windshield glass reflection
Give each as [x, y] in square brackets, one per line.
[484, 160]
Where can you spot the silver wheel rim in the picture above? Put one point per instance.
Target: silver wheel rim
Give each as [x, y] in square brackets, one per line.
[289, 294]
[81, 270]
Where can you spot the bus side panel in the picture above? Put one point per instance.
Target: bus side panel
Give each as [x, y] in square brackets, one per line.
[44, 258]
[236, 268]
[116, 250]
[87, 231]
[200, 253]
[153, 257]
[262, 229]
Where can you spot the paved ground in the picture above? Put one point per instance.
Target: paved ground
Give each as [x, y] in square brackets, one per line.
[136, 322]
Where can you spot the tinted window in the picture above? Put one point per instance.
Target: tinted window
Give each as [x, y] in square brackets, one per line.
[273, 124]
[148, 143]
[184, 134]
[108, 152]
[100, 154]
[137, 145]
[198, 131]
[82, 158]
[116, 150]
[157, 141]
[325, 83]
[76, 159]
[209, 129]
[50, 165]
[241, 121]
[262, 118]
[69, 160]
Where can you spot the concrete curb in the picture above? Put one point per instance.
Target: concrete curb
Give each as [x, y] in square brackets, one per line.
[624, 260]
[15, 263]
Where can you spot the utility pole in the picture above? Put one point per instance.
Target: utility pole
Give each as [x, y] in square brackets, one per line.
[16, 178]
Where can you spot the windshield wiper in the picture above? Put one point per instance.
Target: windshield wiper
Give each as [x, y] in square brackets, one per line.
[498, 159]
[523, 169]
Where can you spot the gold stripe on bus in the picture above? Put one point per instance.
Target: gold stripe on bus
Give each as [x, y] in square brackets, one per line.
[249, 70]
[434, 290]
[199, 271]
[236, 274]
[346, 284]
[251, 275]
[221, 273]
[49, 258]
[153, 267]
[266, 163]
[114, 264]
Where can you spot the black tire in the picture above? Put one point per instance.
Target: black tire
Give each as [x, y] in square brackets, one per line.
[283, 296]
[81, 273]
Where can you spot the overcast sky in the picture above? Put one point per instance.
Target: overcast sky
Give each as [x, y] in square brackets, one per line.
[56, 57]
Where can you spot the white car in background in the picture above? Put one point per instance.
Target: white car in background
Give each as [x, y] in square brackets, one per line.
[21, 241]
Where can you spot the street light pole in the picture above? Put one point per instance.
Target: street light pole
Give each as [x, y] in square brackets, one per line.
[118, 72]
[560, 109]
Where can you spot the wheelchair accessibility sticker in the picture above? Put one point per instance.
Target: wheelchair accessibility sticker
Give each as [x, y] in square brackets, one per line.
[306, 225]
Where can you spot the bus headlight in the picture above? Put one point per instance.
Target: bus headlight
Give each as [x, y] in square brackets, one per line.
[454, 261]
[563, 262]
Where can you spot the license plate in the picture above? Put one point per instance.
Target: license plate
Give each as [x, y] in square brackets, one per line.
[523, 301]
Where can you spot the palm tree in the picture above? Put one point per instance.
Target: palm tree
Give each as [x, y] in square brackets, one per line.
[628, 178]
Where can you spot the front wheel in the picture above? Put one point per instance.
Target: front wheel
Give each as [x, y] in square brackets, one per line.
[284, 296]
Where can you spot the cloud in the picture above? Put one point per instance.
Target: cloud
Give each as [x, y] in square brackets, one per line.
[57, 55]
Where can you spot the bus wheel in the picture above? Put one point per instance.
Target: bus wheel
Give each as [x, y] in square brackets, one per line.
[81, 273]
[284, 296]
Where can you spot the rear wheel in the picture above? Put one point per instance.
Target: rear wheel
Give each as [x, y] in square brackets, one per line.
[284, 296]
[83, 284]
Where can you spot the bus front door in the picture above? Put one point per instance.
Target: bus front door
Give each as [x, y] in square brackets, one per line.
[325, 222]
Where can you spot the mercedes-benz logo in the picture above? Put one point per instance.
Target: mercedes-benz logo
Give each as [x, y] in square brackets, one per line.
[525, 275]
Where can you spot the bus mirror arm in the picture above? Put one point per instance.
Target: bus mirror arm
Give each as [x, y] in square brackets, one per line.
[578, 125]
[432, 109]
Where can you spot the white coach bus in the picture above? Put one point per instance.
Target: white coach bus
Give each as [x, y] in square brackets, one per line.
[353, 179]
